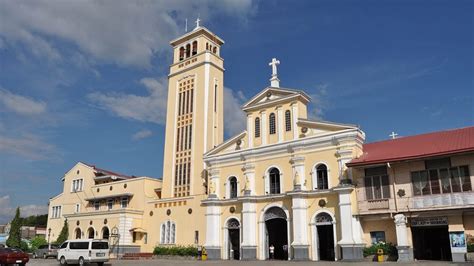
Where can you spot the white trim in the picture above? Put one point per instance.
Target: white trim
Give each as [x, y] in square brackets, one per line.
[314, 175]
[227, 186]
[267, 180]
[294, 112]
[225, 236]
[263, 127]
[323, 140]
[315, 238]
[263, 245]
[280, 129]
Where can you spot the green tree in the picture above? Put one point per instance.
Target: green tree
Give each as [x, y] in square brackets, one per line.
[14, 239]
[38, 241]
[63, 236]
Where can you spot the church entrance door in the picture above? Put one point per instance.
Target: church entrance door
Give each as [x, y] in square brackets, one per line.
[277, 233]
[233, 228]
[325, 231]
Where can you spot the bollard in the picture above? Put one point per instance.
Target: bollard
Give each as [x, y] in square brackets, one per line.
[380, 255]
[204, 254]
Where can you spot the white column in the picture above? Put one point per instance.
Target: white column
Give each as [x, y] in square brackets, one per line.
[213, 226]
[214, 177]
[249, 172]
[249, 230]
[250, 130]
[294, 112]
[300, 226]
[401, 229]
[343, 157]
[249, 215]
[346, 215]
[264, 127]
[299, 167]
[280, 123]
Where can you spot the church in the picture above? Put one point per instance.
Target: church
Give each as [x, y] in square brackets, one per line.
[282, 184]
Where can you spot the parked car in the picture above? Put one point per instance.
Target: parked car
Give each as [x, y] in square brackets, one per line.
[84, 251]
[13, 256]
[45, 251]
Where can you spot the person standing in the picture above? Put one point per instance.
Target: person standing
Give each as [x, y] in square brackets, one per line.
[272, 252]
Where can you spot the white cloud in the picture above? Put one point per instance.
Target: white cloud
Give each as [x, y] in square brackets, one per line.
[151, 108]
[20, 104]
[28, 146]
[318, 101]
[142, 134]
[122, 32]
[234, 117]
[7, 212]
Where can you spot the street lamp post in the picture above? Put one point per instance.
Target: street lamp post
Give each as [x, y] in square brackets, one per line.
[49, 234]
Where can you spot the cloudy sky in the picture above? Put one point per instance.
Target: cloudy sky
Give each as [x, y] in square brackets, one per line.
[86, 80]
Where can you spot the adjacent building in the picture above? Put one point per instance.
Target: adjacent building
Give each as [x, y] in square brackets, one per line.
[416, 192]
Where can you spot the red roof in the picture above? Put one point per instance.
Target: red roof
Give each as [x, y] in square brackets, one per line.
[416, 147]
[107, 172]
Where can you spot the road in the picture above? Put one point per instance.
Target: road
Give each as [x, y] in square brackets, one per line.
[168, 262]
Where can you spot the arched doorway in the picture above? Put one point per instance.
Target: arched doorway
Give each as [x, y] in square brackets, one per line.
[105, 233]
[90, 233]
[77, 233]
[233, 228]
[276, 233]
[325, 236]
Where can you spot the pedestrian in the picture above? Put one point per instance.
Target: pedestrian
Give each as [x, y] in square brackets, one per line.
[272, 252]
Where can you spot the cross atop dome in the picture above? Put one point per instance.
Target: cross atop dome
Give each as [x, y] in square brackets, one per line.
[274, 81]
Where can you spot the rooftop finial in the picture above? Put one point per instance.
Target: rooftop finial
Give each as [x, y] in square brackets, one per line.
[197, 22]
[274, 81]
[393, 135]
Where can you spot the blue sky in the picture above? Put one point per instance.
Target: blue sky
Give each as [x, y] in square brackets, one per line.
[86, 81]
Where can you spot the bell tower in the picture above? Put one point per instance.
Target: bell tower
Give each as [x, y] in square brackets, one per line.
[194, 120]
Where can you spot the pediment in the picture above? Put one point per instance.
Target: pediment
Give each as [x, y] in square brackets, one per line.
[321, 127]
[271, 94]
[235, 143]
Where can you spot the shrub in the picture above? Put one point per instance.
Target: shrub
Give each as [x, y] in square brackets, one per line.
[388, 249]
[470, 247]
[38, 241]
[176, 250]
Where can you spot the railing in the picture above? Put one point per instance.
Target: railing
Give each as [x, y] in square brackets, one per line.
[377, 204]
[443, 200]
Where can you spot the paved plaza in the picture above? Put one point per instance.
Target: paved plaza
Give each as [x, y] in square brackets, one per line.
[169, 262]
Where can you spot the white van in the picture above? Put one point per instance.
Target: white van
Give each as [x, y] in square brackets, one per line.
[84, 251]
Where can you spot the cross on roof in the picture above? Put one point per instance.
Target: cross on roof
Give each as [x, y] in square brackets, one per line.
[274, 64]
[197, 22]
[393, 135]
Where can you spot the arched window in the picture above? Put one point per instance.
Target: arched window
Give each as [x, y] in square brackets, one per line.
[163, 233]
[90, 233]
[214, 50]
[257, 127]
[188, 50]
[195, 47]
[272, 123]
[105, 233]
[78, 233]
[181, 53]
[207, 46]
[168, 233]
[322, 176]
[274, 181]
[232, 187]
[288, 120]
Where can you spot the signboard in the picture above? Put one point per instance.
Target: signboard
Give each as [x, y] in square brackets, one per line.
[429, 221]
[458, 242]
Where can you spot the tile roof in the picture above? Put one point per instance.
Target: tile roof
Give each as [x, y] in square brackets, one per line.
[416, 147]
[107, 172]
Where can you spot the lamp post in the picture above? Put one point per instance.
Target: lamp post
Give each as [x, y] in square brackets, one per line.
[49, 234]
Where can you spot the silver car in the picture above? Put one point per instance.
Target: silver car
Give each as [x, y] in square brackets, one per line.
[45, 252]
